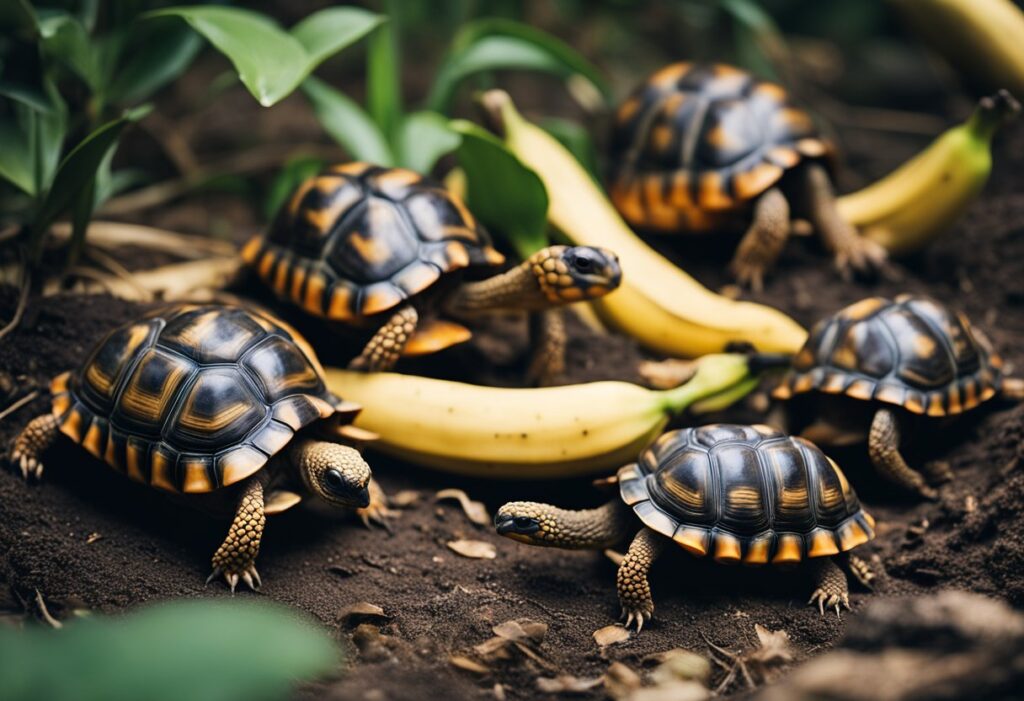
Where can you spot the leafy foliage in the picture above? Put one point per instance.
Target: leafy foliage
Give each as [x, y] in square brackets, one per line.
[210, 650]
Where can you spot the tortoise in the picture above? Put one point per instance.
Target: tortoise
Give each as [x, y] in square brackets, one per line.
[739, 494]
[214, 404]
[879, 368]
[387, 248]
[702, 147]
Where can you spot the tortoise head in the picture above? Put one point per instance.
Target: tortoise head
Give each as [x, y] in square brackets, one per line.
[569, 274]
[543, 524]
[528, 522]
[335, 473]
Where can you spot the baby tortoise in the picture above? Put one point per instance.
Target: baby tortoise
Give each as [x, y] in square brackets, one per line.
[197, 400]
[384, 248]
[892, 365]
[747, 494]
[700, 147]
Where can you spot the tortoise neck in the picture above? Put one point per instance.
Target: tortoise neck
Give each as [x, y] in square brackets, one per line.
[593, 529]
[514, 289]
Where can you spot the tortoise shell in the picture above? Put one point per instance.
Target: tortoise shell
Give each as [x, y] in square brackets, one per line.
[910, 352]
[696, 142]
[358, 240]
[193, 398]
[745, 494]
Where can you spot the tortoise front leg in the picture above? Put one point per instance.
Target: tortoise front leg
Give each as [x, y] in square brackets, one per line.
[764, 240]
[549, 338]
[831, 588]
[1013, 389]
[236, 557]
[385, 348]
[631, 579]
[32, 442]
[884, 449]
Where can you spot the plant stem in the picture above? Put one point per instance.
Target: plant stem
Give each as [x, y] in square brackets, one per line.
[725, 374]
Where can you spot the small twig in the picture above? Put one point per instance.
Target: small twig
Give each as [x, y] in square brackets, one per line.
[19, 312]
[18, 404]
[45, 613]
[112, 265]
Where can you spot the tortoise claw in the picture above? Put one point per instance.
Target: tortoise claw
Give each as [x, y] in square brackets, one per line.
[836, 601]
[638, 616]
[249, 575]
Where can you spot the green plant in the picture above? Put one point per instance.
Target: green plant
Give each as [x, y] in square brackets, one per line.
[387, 134]
[210, 650]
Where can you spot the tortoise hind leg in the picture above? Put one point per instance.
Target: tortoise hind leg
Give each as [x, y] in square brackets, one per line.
[884, 449]
[850, 249]
[831, 588]
[1013, 388]
[631, 579]
[385, 348]
[764, 240]
[548, 335]
[236, 556]
[32, 442]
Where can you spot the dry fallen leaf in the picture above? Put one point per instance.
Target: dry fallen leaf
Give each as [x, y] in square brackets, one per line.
[475, 510]
[477, 549]
[520, 629]
[566, 683]
[468, 664]
[774, 647]
[404, 499]
[362, 609]
[673, 691]
[680, 665]
[621, 681]
[609, 635]
[93, 537]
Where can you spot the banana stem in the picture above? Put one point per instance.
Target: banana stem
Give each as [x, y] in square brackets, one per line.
[722, 375]
[991, 113]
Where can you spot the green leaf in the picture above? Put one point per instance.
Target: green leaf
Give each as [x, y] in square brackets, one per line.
[67, 41]
[17, 16]
[28, 95]
[383, 79]
[295, 172]
[155, 54]
[271, 62]
[328, 31]
[504, 193]
[348, 124]
[213, 650]
[423, 138]
[76, 172]
[500, 44]
[81, 213]
[16, 161]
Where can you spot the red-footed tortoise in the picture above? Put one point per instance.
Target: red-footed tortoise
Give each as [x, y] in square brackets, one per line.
[699, 147]
[386, 248]
[196, 400]
[739, 494]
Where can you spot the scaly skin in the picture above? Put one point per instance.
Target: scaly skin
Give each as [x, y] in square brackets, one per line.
[385, 348]
[236, 557]
[32, 442]
[661, 306]
[545, 432]
[831, 588]
[884, 449]
[631, 579]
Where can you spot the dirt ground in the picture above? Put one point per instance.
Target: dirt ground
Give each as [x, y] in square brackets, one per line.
[85, 538]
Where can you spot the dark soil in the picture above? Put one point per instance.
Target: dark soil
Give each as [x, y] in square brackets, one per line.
[145, 548]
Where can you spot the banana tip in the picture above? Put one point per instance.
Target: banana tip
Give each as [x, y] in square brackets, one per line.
[1002, 103]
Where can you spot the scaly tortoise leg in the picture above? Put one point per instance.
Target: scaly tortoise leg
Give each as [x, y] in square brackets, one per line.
[831, 588]
[884, 449]
[860, 570]
[377, 511]
[850, 249]
[631, 580]
[236, 557]
[764, 240]
[385, 348]
[548, 335]
[40, 433]
[1013, 388]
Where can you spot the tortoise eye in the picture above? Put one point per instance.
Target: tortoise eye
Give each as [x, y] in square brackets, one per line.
[334, 480]
[523, 521]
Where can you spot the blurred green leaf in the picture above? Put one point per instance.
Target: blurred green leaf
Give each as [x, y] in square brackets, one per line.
[504, 193]
[75, 173]
[500, 44]
[49, 131]
[294, 173]
[348, 124]
[577, 139]
[29, 95]
[81, 213]
[202, 650]
[423, 138]
[67, 41]
[759, 42]
[271, 62]
[155, 53]
[17, 16]
[16, 163]
[383, 78]
[328, 31]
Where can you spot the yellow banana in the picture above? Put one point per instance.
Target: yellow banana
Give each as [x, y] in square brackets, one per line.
[926, 195]
[661, 306]
[981, 38]
[546, 432]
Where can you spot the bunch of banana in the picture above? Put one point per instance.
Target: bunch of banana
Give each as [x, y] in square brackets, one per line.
[922, 198]
[546, 432]
[658, 304]
[982, 38]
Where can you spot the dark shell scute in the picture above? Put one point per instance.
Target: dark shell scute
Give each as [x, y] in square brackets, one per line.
[218, 409]
[148, 395]
[212, 334]
[281, 369]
